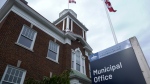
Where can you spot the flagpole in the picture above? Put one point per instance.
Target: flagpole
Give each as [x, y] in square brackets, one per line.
[68, 4]
[110, 23]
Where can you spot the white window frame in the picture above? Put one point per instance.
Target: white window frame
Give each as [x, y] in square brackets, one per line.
[33, 41]
[81, 61]
[71, 25]
[10, 66]
[83, 65]
[57, 55]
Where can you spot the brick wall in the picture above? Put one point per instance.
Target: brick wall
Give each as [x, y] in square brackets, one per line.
[36, 63]
[60, 25]
[77, 29]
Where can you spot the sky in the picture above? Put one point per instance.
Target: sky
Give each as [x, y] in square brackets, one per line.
[131, 19]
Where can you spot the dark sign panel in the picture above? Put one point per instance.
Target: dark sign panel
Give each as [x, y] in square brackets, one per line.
[116, 65]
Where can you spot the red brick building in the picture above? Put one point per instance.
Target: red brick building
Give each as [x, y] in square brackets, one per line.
[32, 46]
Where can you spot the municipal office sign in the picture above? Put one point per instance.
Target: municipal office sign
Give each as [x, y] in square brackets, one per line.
[116, 65]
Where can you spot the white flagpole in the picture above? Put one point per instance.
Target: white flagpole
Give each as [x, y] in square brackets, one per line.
[110, 23]
[68, 4]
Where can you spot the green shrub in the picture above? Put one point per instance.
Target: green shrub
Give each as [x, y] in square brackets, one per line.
[55, 79]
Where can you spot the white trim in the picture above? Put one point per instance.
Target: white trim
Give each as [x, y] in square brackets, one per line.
[23, 75]
[37, 23]
[83, 33]
[23, 46]
[52, 60]
[51, 73]
[19, 63]
[74, 57]
[67, 40]
[84, 65]
[31, 26]
[5, 16]
[67, 24]
[71, 25]
[61, 20]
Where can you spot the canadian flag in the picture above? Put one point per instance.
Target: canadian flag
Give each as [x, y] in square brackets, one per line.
[108, 4]
[72, 1]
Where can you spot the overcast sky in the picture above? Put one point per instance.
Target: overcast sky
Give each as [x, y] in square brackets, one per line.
[131, 19]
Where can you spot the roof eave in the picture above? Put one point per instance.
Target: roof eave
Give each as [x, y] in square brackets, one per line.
[5, 8]
[10, 3]
[38, 17]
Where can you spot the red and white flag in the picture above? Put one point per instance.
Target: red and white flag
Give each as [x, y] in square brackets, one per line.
[72, 1]
[108, 4]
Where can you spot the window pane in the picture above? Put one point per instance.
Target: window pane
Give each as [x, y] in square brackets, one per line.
[9, 70]
[78, 67]
[13, 72]
[27, 32]
[24, 31]
[83, 62]
[10, 78]
[15, 79]
[6, 77]
[6, 82]
[17, 72]
[78, 59]
[53, 46]
[72, 64]
[20, 74]
[32, 35]
[72, 57]
[25, 41]
[78, 53]
[83, 68]
[28, 35]
[19, 79]
[52, 55]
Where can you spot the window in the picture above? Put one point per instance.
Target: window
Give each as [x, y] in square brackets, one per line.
[13, 75]
[72, 63]
[27, 37]
[53, 51]
[78, 61]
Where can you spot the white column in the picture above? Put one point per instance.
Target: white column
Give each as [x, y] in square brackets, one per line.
[67, 24]
[63, 24]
